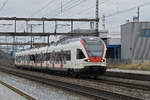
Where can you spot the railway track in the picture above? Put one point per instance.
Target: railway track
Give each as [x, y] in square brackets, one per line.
[108, 79]
[97, 94]
[28, 97]
[133, 76]
[126, 84]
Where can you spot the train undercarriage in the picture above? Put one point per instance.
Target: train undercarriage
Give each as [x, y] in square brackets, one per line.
[88, 70]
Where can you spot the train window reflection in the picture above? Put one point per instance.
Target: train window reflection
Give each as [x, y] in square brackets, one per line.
[80, 54]
[94, 47]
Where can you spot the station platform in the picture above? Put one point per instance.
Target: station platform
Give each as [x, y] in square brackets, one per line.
[8, 94]
[130, 71]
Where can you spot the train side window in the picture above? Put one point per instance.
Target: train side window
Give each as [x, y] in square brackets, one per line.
[41, 58]
[68, 55]
[35, 58]
[80, 54]
[50, 57]
[63, 57]
[32, 57]
[53, 57]
[57, 57]
[38, 58]
[18, 59]
[44, 57]
[47, 56]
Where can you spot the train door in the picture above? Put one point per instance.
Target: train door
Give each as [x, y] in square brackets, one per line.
[61, 59]
[67, 59]
[73, 58]
[79, 58]
[53, 59]
[50, 56]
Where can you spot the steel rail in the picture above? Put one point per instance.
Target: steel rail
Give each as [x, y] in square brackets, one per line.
[142, 77]
[88, 91]
[125, 84]
[28, 97]
[103, 79]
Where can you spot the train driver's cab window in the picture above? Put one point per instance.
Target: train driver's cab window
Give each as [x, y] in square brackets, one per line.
[80, 54]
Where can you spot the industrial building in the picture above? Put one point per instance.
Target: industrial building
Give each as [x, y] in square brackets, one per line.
[113, 44]
[135, 41]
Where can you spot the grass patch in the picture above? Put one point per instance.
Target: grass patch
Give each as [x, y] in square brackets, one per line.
[138, 66]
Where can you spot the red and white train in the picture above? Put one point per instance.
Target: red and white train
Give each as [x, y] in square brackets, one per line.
[84, 55]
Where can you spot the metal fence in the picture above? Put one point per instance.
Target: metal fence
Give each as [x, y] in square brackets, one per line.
[126, 61]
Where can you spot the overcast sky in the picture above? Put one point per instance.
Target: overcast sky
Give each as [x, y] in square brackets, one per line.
[76, 9]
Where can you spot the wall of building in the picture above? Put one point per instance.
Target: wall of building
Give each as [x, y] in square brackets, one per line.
[114, 41]
[113, 51]
[135, 41]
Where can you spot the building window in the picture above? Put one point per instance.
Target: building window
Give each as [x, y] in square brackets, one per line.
[145, 33]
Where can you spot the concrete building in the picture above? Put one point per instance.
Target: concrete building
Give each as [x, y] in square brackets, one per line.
[135, 41]
[113, 42]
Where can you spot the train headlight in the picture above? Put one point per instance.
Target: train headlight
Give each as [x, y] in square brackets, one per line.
[87, 60]
[103, 60]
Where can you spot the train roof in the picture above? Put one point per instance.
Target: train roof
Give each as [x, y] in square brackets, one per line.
[70, 40]
[58, 44]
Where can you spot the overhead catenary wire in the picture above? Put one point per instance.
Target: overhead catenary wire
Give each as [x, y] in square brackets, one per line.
[127, 10]
[42, 8]
[56, 8]
[3, 5]
[75, 5]
[67, 8]
[66, 5]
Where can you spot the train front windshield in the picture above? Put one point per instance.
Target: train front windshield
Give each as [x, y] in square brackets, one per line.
[94, 47]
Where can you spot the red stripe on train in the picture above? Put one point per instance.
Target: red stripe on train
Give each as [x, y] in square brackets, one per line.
[35, 64]
[61, 61]
[53, 65]
[41, 64]
[47, 65]
[93, 59]
[84, 46]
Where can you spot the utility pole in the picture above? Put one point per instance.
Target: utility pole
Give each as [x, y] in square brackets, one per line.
[61, 7]
[43, 26]
[26, 26]
[44, 29]
[92, 25]
[31, 30]
[138, 14]
[55, 27]
[103, 25]
[14, 36]
[97, 18]
[31, 36]
[71, 26]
